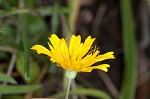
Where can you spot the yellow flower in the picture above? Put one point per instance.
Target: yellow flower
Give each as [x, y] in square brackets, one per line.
[75, 56]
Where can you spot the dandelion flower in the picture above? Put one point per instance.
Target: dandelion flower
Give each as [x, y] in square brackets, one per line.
[76, 56]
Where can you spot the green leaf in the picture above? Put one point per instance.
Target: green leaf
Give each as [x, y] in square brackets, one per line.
[36, 25]
[128, 87]
[8, 30]
[34, 68]
[5, 78]
[9, 89]
[86, 92]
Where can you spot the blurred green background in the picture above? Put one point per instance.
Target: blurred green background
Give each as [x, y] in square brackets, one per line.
[121, 26]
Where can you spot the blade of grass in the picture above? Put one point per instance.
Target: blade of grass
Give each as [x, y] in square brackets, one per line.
[74, 5]
[6, 78]
[129, 44]
[25, 39]
[43, 10]
[18, 89]
[55, 18]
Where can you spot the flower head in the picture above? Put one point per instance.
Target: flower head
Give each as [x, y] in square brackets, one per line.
[76, 56]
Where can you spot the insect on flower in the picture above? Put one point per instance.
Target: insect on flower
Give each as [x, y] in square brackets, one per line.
[76, 55]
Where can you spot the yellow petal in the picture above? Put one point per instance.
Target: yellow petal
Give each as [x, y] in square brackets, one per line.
[74, 44]
[54, 40]
[55, 54]
[108, 55]
[60, 54]
[101, 67]
[86, 47]
[76, 53]
[41, 50]
[89, 60]
[64, 50]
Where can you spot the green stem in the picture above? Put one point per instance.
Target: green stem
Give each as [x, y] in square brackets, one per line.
[68, 88]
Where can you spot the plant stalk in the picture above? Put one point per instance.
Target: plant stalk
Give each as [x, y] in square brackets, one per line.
[68, 88]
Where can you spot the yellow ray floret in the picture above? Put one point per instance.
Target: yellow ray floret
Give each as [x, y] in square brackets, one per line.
[76, 56]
